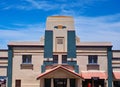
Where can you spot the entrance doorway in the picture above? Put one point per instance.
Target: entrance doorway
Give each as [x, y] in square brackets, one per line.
[60, 82]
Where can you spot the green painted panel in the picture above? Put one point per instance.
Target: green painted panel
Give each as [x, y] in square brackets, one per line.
[48, 62]
[76, 67]
[9, 70]
[109, 55]
[71, 48]
[48, 48]
[42, 68]
[71, 63]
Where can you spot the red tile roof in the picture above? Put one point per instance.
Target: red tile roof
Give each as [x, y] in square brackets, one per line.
[116, 75]
[57, 68]
[90, 74]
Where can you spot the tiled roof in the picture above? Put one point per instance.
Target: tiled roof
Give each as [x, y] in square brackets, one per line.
[59, 67]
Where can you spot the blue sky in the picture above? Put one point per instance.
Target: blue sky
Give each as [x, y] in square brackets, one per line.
[95, 20]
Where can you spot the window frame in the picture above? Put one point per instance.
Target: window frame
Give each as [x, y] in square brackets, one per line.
[92, 59]
[55, 59]
[26, 59]
[64, 61]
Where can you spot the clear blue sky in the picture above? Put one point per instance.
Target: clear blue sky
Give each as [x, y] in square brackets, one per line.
[95, 20]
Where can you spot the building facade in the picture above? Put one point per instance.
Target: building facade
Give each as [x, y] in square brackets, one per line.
[3, 67]
[60, 59]
[116, 68]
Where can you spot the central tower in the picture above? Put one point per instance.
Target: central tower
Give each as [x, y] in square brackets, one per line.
[60, 43]
[60, 36]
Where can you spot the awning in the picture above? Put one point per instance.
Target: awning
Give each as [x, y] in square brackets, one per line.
[61, 68]
[90, 75]
[116, 75]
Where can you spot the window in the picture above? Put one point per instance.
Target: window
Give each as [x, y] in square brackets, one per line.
[27, 59]
[17, 83]
[59, 40]
[92, 59]
[64, 58]
[55, 58]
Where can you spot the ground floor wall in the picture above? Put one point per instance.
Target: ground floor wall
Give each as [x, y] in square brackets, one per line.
[25, 83]
[63, 82]
[3, 76]
[48, 82]
[94, 82]
[60, 82]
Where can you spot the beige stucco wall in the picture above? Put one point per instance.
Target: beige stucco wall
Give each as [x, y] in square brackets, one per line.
[60, 33]
[3, 53]
[116, 54]
[116, 63]
[3, 71]
[67, 21]
[82, 58]
[27, 76]
[3, 62]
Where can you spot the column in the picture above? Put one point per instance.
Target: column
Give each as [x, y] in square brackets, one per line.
[68, 82]
[52, 83]
[59, 59]
[41, 82]
[79, 83]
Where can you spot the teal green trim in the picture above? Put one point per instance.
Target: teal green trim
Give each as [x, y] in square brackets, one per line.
[48, 48]
[76, 67]
[9, 70]
[109, 55]
[71, 63]
[48, 62]
[42, 68]
[71, 41]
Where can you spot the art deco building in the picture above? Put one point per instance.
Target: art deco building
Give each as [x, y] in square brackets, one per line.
[60, 59]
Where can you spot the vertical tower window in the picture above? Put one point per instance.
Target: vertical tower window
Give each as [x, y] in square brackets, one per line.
[64, 58]
[55, 58]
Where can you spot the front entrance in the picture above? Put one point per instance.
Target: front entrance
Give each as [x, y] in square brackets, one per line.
[60, 82]
[60, 76]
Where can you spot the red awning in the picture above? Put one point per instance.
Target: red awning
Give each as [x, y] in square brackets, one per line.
[116, 75]
[89, 75]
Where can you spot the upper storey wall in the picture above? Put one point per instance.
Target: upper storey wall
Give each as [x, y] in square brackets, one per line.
[66, 21]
